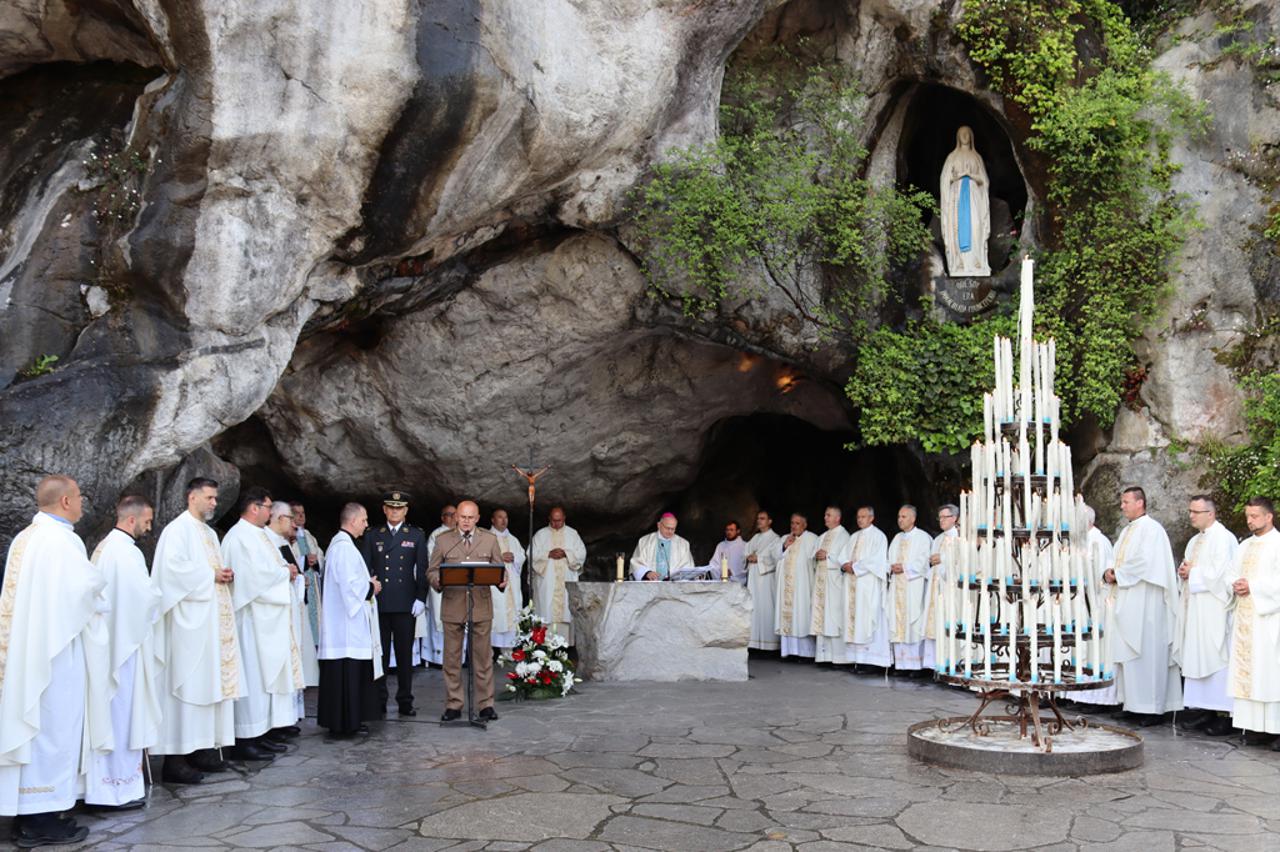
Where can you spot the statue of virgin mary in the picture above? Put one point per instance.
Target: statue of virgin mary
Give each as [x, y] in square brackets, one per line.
[966, 209]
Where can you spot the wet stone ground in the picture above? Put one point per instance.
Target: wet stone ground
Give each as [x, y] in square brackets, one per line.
[797, 758]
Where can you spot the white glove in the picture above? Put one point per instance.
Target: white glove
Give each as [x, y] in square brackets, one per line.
[418, 608]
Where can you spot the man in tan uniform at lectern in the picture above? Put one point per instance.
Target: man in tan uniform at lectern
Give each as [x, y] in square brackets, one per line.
[466, 544]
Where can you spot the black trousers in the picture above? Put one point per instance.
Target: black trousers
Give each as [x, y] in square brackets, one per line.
[397, 627]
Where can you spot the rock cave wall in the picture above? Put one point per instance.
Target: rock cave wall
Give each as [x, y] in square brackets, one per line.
[383, 244]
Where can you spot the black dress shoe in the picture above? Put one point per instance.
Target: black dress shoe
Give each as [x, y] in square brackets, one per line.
[1258, 738]
[47, 830]
[207, 761]
[177, 770]
[450, 715]
[408, 711]
[267, 744]
[290, 731]
[1219, 726]
[1147, 720]
[247, 750]
[489, 714]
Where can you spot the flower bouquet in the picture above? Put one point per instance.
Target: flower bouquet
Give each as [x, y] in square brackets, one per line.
[541, 661]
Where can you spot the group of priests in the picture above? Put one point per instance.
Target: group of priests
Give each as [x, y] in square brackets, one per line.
[1202, 633]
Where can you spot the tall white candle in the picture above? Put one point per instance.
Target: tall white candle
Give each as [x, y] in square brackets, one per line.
[1025, 472]
[1007, 349]
[1029, 616]
[1013, 639]
[1077, 608]
[988, 559]
[1055, 626]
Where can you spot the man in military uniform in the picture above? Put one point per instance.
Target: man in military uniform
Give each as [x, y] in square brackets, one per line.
[396, 554]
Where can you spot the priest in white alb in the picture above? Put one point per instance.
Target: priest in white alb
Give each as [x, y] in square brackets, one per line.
[731, 553]
[761, 556]
[282, 533]
[115, 778]
[556, 556]
[827, 597]
[1100, 555]
[661, 553]
[948, 515]
[508, 602]
[350, 644]
[51, 608]
[866, 571]
[1205, 592]
[1144, 638]
[1254, 683]
[272, 664]
[793, 610]
[201, 672]
[908, 587]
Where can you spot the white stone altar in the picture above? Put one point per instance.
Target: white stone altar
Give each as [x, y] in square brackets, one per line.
[661, 631]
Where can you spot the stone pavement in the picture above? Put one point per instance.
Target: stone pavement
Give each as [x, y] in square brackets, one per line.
[796, 758]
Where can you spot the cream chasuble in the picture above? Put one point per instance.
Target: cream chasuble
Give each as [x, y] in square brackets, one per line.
[507, 604]
[1145, 634]
[550, 600]
[1255, 663]
[793, 610]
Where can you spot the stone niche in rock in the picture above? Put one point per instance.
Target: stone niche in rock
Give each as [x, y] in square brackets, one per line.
[930, 115]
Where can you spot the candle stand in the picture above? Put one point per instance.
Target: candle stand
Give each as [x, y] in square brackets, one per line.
[1016, 608]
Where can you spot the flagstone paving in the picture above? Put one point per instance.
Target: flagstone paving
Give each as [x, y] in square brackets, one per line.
[796, 758]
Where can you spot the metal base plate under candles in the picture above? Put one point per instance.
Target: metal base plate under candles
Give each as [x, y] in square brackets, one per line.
[998, 744]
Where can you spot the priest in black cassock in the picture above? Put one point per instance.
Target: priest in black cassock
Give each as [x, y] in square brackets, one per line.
[350, 654]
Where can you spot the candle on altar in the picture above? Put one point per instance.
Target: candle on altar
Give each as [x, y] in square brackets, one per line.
[620, 574]
[724, 569]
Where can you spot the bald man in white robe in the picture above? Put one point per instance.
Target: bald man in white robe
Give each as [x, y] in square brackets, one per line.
[866, 572]
[908, 588]
[828, 599]
[556, 557]
[793, 612]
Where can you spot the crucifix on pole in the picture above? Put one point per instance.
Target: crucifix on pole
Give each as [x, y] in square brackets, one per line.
[531, 477]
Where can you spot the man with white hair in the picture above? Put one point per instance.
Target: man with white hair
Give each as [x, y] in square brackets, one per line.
[908, 587]
[793, 612]
[661, 553]
[1099, 555]
[943, 548]
[283, 535]
[866, 570]
[827, 597]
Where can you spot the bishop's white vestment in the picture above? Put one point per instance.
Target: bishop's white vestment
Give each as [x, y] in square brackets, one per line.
[663, 555]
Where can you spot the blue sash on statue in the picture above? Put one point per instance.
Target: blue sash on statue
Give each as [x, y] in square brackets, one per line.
[963, 225]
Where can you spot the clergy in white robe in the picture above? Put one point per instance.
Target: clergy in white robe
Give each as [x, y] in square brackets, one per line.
[793, 610]
[51, 626]
[1205, 592]
[1145, 634]
[865, 569]
[1100, 555]
[115, 777]
[282, 533]
[263, 604]
[311, 559]
[508, 602]
[429, 629]
[761, 556]
[948, 515]
[661, 553]
[908, 588]
[556, 556]
[732, 554]
[827, 598]
[201, 671]
[350, 644]
[1254, 683]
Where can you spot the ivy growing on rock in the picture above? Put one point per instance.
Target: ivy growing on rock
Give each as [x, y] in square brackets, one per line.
[779, 196]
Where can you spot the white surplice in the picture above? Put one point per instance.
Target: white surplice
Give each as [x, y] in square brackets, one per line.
[299, 628]
[1254, 682]
[550, 600]
[826, 603]
[645, 557]
[793, 612]
[950, 538]
[866, 628]
[1145, 635]
[52, 613]
[905, 605]
[115, 777]
[263, 604]
[1206, 628]
[202, 673]
[731, 553]
[761, 576]
[507, 604]
[348, 622]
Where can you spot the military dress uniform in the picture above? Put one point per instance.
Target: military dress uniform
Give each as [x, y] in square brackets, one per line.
[399, 560]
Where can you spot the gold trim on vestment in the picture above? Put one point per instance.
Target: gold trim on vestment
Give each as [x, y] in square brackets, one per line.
[558, 595]
[230, 668]
[8, 596]
[788, 591]
[851, 590]
[1242, 644]
[900, 594]
[818, 619]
